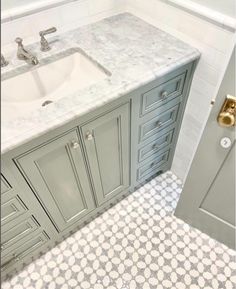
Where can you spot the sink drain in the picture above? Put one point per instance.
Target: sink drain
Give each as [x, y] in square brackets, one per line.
[46, 102]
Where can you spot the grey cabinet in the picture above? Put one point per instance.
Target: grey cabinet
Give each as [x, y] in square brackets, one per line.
[70, 174]
[107, 143]
[57, 174]
[157, 113]
[22, 220]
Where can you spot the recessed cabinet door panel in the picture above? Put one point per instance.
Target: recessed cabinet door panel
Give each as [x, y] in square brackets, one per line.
[107, 145]
[5, 187]
[57, 174]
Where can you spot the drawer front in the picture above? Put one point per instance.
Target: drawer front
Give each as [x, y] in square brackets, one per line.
[155, 146]
[158, 123]
[13, 233]
[12, 209]
[163, 93]
[22, 251]
[5, 186]
[152, 167]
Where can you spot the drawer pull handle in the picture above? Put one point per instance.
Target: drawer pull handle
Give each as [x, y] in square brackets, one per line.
[164, 95]
[2, 247]
[75, 144]
[158, 123]
[89, 136]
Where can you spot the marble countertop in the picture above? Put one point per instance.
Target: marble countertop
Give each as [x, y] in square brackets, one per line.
[133, 51]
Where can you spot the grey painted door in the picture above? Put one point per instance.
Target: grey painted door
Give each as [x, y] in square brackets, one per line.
[208, 198]
[107, 143]
[57, 174]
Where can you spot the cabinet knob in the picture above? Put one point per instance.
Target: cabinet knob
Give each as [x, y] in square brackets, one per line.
[89, 136]
[75, 144]
[158, 123]
[164, 95]
[2, 247]
[155, 146]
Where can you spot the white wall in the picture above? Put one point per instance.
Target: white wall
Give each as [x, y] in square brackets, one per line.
[227, 7]
[64, 17]
[212, 40]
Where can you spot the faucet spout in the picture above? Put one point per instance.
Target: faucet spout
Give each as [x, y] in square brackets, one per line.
[23, 54]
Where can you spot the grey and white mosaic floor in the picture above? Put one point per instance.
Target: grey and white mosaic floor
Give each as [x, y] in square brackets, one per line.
[138, 243]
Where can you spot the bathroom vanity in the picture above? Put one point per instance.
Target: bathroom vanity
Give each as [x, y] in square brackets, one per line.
[64, 162]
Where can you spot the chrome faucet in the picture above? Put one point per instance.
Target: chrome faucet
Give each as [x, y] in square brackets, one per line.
[43, 41]
[23, 54]
[4, 62]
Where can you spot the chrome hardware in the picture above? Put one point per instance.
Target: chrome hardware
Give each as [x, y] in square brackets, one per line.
[4, 62]
[158, 123]
[75, 145]
[227, 115]
[23, 54]
[2, 247]
[89, 136]
[43, 41]
[46, 102]
[155, 146]
[164, 95]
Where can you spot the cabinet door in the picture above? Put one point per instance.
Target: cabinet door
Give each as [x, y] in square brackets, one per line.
[57, 174]
[107, 142]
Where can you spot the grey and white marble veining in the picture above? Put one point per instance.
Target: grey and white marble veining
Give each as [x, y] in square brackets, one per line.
[133, 51]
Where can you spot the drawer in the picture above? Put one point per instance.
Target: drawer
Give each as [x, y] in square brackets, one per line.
[12, 209]
[158, 123]
[5, 186]
[25, 249]
[155, 146]
[163, 93]
[13, 232]
[151, 167]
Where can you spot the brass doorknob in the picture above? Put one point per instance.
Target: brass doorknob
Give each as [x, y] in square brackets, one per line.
[227, 115]
[226, 119]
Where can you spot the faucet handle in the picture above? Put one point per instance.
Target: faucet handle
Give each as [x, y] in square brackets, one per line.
[19, 41]
[47, 31]
[43, 41]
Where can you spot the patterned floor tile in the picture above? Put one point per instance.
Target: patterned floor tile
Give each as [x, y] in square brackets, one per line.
[138, 243]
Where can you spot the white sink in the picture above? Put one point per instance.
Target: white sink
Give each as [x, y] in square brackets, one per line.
[49, 82]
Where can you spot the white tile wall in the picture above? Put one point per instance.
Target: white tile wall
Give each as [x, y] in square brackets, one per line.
[64, 17]
[213, 41]
[215, 44]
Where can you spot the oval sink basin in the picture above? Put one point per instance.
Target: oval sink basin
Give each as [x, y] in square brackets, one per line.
[49, 82]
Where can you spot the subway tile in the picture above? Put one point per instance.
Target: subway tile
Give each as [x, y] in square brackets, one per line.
[75, 11]
[17, 28]
[98, 6]
[46, 19]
